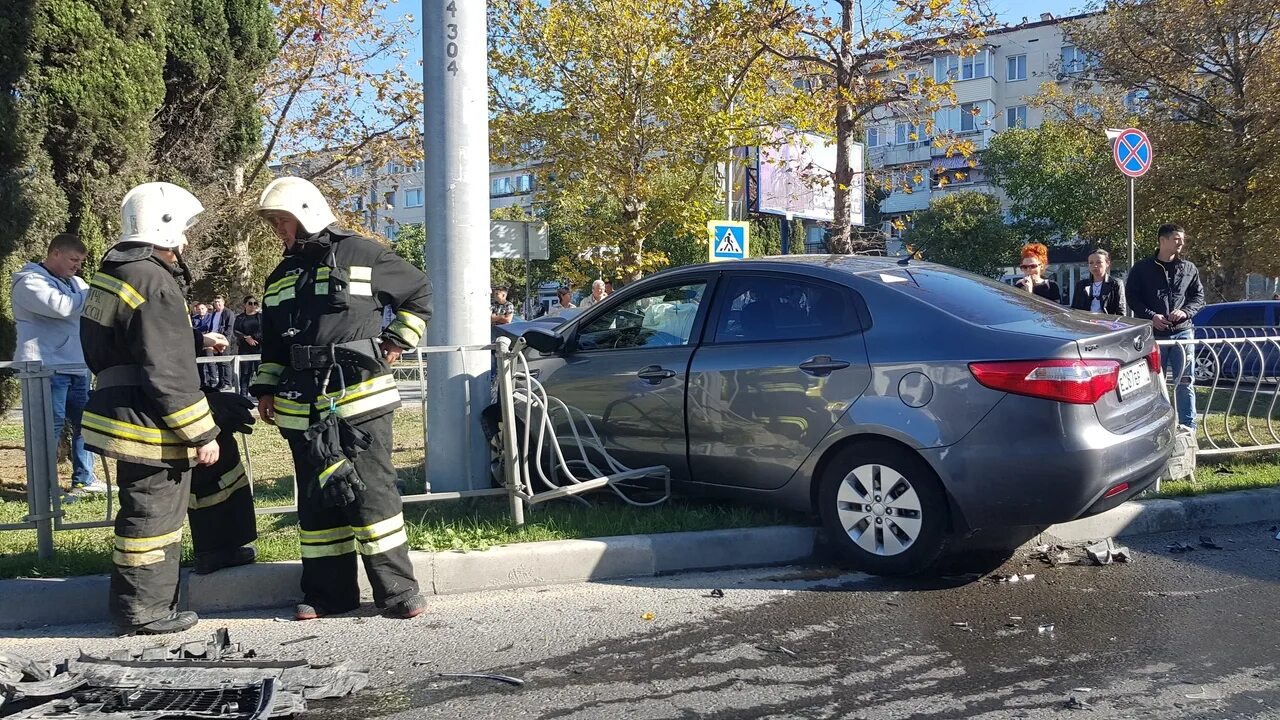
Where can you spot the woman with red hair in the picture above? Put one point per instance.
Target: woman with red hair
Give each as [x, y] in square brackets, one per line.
[1035, 263]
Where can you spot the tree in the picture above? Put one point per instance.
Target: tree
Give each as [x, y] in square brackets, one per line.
[857, 56]
[965, 230]
[626, 106]
[1200, 79]
[411, 244]
[1060, 181]
[80, 83]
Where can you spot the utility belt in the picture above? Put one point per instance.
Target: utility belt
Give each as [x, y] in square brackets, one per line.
[119, 376]
[362, 353]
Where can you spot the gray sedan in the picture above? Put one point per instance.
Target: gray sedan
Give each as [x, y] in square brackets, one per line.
[906, 405]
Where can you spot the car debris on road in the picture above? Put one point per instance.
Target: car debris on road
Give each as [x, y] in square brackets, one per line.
[1107, 552]
[215, 678]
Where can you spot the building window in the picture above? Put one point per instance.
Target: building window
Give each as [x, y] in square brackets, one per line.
[413, 197]
[1015, 117]
[1074, 60]
[970, 117]
[417, 166]
[876, 137]
[390, 232]
[946, 68]
[524, 183]
[390, 199]
[1016, 68]
[355, 171]
[360, 203]
[974, 66]
[907, 133]
[499, 187]
[1134, 101]
[397, 168]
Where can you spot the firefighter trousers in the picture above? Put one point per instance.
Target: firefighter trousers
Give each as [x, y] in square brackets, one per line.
[148, 542]
[220, 508]
[372, 527]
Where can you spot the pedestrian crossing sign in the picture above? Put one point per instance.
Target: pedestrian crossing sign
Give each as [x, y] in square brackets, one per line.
[729, 240]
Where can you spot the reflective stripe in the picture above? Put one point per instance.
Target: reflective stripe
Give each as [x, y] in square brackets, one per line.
[408, 327]
[193, 421]
[322, 272]
[232, 480]
[359, 390]
[188, 414]
[390, 542]
[158, 542]
[151, 557]
[327, 535]
[281, 284]
[329, 471]
[274, 300]
[322, 288]
[382, 527]
[268, 374]
[413, 321]
[119, 288]
[361, 288]
[292, 407]
[334, 550]
[368, 404]
[292, 422]
[135, 451]
[361, 272]
[129, 431]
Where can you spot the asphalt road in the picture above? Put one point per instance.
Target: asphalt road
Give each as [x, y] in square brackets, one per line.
[1167, 636]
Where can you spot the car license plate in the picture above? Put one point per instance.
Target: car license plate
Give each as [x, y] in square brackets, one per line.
[1133, 377]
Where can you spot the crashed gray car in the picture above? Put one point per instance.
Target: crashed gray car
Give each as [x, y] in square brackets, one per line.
[905, 405]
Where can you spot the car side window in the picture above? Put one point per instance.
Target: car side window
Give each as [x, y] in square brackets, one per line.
[765, 308]
[659, 318]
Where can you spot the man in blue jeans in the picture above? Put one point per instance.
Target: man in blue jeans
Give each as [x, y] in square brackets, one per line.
[1166, 290]
[48, 297]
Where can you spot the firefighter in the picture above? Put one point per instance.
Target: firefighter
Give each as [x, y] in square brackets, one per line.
[147, 411]
[325, 382]
[220, 508]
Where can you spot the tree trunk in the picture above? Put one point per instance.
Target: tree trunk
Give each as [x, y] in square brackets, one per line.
[241, 255]
[840, 240]
[632, 251]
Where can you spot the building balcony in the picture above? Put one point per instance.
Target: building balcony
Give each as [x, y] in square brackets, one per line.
[975, 90]
[889, 155]
[904, 202]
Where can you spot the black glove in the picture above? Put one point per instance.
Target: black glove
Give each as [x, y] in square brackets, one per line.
[231, 412]
[332, 445]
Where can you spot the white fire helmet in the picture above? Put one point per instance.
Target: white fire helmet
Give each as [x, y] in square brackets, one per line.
[300, 199]
[159, 213]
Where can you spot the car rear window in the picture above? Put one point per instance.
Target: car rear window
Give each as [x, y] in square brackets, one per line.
[969, 297]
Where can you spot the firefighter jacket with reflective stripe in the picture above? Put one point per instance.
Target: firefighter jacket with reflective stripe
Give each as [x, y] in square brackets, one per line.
[332, 289]
[136, 316]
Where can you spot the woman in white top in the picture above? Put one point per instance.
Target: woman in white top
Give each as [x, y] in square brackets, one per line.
[565, 303]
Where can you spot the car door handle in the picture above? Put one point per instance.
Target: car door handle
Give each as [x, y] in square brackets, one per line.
[822, 365]
[655, 374]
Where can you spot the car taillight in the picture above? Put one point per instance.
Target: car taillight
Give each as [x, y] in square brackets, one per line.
[1153, 360]
[1081, 382]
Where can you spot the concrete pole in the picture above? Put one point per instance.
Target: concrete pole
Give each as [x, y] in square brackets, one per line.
[455, 74]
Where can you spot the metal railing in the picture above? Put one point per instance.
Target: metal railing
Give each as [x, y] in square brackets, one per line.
[1234, 376]
[44, 497]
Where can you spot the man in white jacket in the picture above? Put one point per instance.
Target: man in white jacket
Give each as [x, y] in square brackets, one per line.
[47, 299]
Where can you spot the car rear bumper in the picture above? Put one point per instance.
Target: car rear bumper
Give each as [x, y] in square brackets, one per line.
[1026, 464]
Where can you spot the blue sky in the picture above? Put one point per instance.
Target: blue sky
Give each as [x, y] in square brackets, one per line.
[1009, 11]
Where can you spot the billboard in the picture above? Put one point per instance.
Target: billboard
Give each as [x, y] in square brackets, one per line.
[793, 177]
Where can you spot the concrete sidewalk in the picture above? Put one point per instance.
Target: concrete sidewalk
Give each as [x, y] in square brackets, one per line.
[35, 602]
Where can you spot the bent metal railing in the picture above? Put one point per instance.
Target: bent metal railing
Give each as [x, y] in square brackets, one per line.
[1234, 374]
[44, 497]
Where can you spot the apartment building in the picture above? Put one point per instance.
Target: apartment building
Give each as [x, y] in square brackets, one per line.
[389, 197]
[993, 90]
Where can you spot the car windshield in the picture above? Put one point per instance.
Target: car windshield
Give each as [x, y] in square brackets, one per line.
[969, 297]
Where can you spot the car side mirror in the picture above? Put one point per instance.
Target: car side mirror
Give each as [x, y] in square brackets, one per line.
[543, 340]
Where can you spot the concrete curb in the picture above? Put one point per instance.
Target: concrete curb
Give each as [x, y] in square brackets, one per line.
[36, 602]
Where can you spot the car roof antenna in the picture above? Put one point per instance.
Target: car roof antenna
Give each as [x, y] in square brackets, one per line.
[913, 253]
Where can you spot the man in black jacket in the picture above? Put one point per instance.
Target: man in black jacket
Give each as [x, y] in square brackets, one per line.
[1166, 290]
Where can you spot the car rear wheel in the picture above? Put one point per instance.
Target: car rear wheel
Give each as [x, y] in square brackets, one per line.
[1206, 369]
[884, 509]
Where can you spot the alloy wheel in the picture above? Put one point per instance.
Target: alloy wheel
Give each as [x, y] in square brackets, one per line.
[879, 509]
